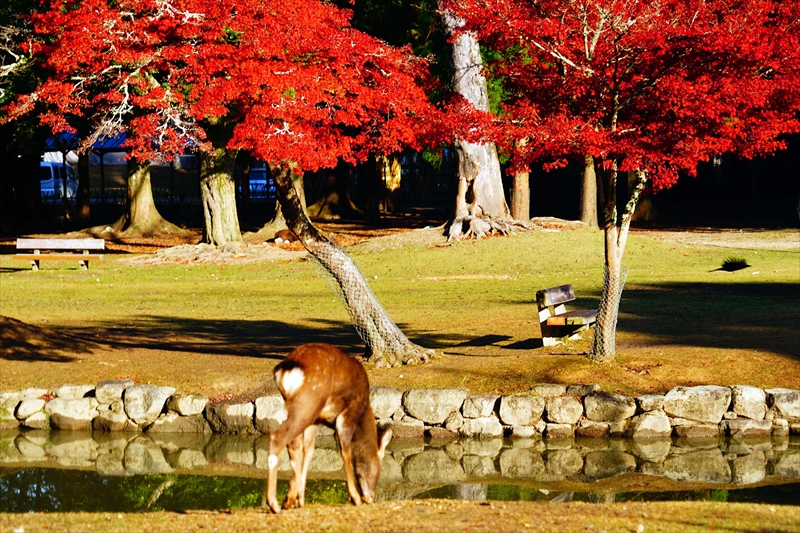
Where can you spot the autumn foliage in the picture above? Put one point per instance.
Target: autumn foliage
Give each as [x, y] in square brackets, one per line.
[288, 80]
[650, 86]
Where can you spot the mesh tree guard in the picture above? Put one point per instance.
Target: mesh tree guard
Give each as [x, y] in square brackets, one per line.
[380, 334]
[604, 344]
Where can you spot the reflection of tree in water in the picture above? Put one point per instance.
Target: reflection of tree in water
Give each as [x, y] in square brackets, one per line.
[52, 490]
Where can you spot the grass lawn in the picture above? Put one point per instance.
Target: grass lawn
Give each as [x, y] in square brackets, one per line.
[220, 328]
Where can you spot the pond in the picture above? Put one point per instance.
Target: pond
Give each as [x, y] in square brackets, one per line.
[80, 471]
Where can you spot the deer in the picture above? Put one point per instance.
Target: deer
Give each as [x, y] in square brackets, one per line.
[321, 384]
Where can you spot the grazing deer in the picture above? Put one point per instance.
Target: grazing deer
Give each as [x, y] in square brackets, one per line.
[321, 384]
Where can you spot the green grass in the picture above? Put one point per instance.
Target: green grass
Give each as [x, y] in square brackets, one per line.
[470, 298]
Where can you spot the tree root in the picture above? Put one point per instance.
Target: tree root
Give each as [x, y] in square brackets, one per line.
[479, 227]
[413, 354]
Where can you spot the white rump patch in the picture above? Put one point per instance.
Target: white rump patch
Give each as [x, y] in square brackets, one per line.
[291, 380]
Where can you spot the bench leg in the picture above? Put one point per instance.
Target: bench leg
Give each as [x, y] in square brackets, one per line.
[34, 264]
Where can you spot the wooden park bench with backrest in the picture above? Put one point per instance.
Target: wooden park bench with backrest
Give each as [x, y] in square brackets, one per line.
[559, 325]
[52, 250]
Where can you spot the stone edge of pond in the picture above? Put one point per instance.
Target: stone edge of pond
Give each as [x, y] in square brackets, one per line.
[547, 410]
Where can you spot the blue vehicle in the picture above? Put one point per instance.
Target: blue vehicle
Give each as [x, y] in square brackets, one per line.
[261, 183]
[55, 183]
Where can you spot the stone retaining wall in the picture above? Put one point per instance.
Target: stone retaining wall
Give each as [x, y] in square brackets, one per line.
[550, 411]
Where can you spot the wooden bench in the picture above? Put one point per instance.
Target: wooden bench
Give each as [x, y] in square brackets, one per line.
[559, 325]
[60, 245]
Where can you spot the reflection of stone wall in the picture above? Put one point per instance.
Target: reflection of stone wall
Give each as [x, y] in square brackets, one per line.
[552, 411]
[413, 465]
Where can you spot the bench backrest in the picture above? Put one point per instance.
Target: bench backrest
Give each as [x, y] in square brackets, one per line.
[61, 244]
[554, 296]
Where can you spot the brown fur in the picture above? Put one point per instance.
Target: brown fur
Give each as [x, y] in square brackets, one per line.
[335, 392]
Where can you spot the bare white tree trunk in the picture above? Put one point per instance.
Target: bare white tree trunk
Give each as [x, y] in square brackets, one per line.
[480, 189]
[615, 228]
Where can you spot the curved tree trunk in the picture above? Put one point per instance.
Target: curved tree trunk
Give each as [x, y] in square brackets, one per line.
[589, 193]
[218, 192]
[480, 187]
[615, 230]
[386, 344]
[142, 217]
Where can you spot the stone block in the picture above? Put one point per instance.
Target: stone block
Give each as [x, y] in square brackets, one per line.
[231, 417]
[28, 406]
[743, 427]
[172, 422]
[187, 404]
[650, 402]
[703, 404]
[113, 418]
[749, 402]
[433, 406]
[270, 413]
[479, 406]
[521, 410]
[785, 403]
[650, 425]
[37, 420]
[144, 403]
[8, 406]
[72, 413]
[385, 401]
[408, 427]
[559, 431]
[484, 427]
[602, 407]
[589, 429]
[564, 409]
[111, 390]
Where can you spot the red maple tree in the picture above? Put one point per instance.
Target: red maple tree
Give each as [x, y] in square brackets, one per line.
[290, 81]
[648, 88]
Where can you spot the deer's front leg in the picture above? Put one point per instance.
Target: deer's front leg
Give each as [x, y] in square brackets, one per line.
[344, 434]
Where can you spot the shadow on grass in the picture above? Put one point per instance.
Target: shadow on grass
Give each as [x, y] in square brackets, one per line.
[25, 342]
[731, 315]
[269, 339]
[758, 316]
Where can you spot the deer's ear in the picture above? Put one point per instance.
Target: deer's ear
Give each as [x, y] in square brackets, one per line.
[385, 438]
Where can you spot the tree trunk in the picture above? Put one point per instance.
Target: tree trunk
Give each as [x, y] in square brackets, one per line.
[336, 203]
[385, 344]
[391, 178]
[521, 196]
[480, 188]
[218, 192]
[615, 230]
[82, 209]
[142, 218]
[589, 193]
